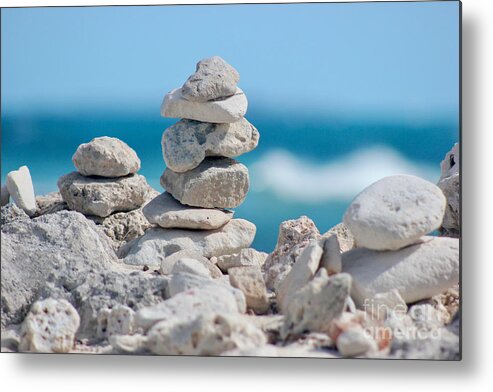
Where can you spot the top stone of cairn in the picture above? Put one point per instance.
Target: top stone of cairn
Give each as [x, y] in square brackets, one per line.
[214, 78]
[106, 157]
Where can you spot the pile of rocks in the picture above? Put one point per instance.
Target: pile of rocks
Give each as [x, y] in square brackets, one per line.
[390, 220]
[105, 180]
[202, 181]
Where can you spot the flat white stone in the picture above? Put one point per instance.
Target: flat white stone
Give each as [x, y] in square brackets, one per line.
[21, 190]
[168, 213]
[394, 212]
[303, 271]
[223, 110]
[156, 244]
[417, 272]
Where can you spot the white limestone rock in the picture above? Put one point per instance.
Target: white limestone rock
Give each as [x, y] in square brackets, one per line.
[293, 236]
[344, 236]
[417, 272]
[449, 183]
[245, 257]
[207, 334]
[106, 157]
[49, 327]
[214, 298]
[169, 261]
[215, 183]
[355, 342]
[394, 212]
[331, 258]
[187, 143]
[190, 266]
[168, 213]
[221, 110]
[129, 344]
[183, 281]
[4, 196]
[251, 282]
[383, 304]
[21, 190]
[157, 244]
[304, 269]
[103, 196]
[213, 78]
[50, 203]
[119, 320]
[318, 303]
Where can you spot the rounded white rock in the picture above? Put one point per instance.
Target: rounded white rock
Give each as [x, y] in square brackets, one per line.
[106, 157]
[394, 212]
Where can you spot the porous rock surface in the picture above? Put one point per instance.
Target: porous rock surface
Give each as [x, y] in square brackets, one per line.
[103, 196]
[395, 212]
[293, 236]
[315, 305]
[156, 244]
[106, 157]
[449, 183]
[49, 327]
[187, 143]
[65, 256]
[207, 334]
[191, 303]
[215, 183]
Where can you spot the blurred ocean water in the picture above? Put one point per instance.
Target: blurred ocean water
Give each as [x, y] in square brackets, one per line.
[305, 164]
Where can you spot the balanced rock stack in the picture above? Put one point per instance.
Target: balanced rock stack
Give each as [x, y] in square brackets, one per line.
[106, 179]
[202, 181]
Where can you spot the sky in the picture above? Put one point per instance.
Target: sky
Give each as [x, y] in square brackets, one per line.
[395, 58]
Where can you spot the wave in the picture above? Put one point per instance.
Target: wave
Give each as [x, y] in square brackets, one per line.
[297, 179]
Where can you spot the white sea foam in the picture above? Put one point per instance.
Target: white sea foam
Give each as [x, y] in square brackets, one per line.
[301, 180]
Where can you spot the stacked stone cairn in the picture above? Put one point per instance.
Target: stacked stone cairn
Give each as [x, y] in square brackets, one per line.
[203, 183]
[106, 181]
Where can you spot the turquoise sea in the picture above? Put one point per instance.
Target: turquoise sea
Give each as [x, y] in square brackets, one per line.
[306, 164]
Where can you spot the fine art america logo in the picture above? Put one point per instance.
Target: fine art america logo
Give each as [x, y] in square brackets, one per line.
[387, 322]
